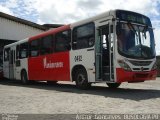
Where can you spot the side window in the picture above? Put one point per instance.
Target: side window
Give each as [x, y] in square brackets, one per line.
[62, 41]
[112, 36]
[17, 52]
[104, 34]
[34, 48]
[46, 45]
[23, 50]
[11, 57]
[83, 36]
[6, 54]
[1, 61]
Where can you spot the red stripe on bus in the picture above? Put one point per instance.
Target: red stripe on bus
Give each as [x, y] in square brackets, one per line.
[49, 32]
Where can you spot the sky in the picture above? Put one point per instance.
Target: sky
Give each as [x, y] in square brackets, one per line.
[69, 11]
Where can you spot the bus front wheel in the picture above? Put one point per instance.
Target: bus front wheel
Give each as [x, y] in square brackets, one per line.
[82, 79]
[24, 77]
[113, 85]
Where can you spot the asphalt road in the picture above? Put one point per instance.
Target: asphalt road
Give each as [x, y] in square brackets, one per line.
[41, 98]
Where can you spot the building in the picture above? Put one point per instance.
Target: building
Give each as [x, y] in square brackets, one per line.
[13, 29]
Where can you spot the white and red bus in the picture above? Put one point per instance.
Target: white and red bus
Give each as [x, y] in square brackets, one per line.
[114, 47]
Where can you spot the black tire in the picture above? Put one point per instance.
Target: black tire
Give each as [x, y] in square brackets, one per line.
[52, 82]
[113, 85]
[82, 79]
[24, 77]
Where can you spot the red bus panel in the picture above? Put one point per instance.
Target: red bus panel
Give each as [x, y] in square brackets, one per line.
[49, 67]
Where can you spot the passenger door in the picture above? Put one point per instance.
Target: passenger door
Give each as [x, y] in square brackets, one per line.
[6, 62]
[104, 52]
[12, 64]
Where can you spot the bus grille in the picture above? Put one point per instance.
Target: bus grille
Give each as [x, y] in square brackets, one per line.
[139, 69]
[140, 63]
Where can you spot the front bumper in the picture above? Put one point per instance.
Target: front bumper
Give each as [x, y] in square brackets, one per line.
[132, 76]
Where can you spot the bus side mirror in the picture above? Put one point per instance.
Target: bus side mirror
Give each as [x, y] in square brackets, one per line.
[118, 31]
[145, 36]
[111, 28]
[118, 28]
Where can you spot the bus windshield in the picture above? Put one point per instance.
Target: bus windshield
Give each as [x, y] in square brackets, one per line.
[135, 40]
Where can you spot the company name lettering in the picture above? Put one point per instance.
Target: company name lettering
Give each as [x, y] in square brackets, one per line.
[51, 64]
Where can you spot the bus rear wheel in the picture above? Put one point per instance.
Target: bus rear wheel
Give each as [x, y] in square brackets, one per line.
[82, 79]
[113, 85]
[24, 77]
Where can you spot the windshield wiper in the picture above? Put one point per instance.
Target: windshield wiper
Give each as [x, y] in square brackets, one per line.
[144, 31]
[132, 28]
[137, 34]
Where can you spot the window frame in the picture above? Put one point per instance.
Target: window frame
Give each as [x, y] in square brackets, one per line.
[67, 44]
[74, 41]
[42, 43]
[4, 57]
[20, 50]
[17, 51]
[38, 47]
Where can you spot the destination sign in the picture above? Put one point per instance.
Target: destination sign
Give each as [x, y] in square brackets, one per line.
[133, 17]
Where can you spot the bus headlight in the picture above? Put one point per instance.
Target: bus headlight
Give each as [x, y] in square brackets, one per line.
[124, 65]
[154, 66]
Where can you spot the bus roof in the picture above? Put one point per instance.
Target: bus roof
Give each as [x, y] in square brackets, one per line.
[69, 26]
[94, 18]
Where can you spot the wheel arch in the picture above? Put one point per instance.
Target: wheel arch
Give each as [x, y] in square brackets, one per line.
[23, 70]
[75, 68]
